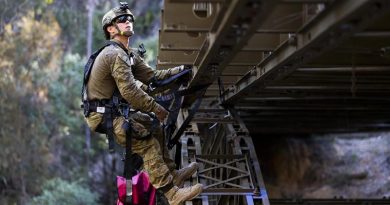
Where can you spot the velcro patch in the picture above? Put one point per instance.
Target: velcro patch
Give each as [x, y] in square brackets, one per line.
[126, 59]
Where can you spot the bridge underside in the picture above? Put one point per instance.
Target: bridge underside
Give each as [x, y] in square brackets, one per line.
[276, 67]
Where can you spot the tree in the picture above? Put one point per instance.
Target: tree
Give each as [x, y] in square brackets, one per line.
[23, 90]
[60, 192]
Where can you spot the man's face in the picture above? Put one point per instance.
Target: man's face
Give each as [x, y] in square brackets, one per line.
[124, 23]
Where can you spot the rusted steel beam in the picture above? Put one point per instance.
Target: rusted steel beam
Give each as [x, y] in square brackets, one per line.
[230, 36]
[327, 30]
[230, 32]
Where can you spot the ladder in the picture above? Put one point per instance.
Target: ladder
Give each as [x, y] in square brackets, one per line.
[229, 167]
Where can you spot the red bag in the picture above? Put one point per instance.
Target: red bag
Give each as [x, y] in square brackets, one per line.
[143, 192]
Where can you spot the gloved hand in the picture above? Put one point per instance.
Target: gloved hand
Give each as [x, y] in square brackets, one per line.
[188, 76]
[181, 74]
[189, 67]
[161, 113]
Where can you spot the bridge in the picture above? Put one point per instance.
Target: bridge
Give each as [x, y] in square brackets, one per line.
[272, 67]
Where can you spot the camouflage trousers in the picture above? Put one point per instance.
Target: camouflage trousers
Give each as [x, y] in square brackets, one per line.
[156, 162]
[158, 134]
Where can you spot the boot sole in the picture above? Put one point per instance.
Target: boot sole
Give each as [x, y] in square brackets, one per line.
[201, 190]
[183, 180]
[189, 199]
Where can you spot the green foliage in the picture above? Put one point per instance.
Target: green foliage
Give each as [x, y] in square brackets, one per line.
[72, 18]
[65, 114]
[98, 38]
[142, 24]
[42, 55]
[60, 192]
[64, 93]
[23, 88]
[150, 44]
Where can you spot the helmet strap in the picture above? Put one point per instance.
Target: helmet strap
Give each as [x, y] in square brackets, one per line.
[122, 33]
[119, 32]
[117, 28]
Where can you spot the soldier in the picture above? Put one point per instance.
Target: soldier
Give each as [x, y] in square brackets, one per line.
[117, 67]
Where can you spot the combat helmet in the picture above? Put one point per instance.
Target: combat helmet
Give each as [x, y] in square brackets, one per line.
[111, 15]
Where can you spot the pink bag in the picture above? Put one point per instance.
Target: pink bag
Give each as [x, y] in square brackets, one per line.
[143, 192]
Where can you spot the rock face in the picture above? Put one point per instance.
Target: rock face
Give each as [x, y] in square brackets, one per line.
[327, 166]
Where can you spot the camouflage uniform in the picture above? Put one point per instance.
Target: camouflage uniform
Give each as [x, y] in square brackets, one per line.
[114, 69]
[159, 135]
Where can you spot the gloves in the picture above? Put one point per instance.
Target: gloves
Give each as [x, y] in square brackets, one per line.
[161, 113]
[188, 76]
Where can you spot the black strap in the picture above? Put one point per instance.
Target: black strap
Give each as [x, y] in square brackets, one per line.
[127, 167]
[91, 61]
[109, 118]
[172, 140]
[174, 109]
[221, 90]
[161, 83]
[174, 101]
[128, 170]
[193, 89]
[133, 162]
[89, 65]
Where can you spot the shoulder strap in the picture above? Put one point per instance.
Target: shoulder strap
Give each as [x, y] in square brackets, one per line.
[89, 65]
[91, 60]
[119, 45]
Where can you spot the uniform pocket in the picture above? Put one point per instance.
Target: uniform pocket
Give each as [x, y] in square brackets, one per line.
[93, 120]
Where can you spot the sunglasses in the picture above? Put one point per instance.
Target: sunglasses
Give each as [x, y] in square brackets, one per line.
[123, 19]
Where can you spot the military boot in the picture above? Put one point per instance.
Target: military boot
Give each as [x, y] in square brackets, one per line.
[179, 176]
[177, 196]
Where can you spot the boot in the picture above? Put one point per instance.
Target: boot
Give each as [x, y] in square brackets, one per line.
[177, 196]
[179, 176]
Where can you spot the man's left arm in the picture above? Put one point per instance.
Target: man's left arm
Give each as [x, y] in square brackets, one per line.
[144, 73]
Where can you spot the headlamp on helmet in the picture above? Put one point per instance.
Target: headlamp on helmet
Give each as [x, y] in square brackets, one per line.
[124, 6]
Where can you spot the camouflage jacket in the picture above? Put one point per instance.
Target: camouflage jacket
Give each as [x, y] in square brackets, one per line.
[114, 68]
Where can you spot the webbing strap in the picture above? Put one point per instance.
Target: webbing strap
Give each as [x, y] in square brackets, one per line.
[160, 83]
[89, 65]
[108, 117]
[133, 162]
[128, 169]
[126, 173]
[173, 140]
